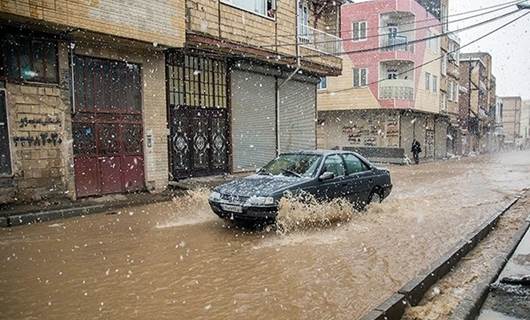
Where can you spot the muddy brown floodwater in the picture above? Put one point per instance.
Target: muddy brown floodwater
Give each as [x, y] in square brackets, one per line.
[176, 260]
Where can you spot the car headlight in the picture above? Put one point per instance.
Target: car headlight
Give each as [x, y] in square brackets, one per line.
[260, 201]
[214, 196]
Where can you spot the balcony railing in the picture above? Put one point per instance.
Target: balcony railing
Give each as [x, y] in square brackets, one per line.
[396, 89]
[319, 40]
[397, 43]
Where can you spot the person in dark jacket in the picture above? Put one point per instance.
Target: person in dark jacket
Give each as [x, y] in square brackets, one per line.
[416, 150]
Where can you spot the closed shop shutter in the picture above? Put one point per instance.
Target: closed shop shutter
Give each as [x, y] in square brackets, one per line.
[253, 120]
[297, 116]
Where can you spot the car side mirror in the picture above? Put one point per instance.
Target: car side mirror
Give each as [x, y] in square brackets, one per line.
[326, 176]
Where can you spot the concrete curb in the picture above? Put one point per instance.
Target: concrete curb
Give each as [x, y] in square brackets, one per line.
[43, 216]
[392, 308]
[413, 291]
[469, 308]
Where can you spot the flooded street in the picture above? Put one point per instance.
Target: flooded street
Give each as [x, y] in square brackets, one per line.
[177, 260]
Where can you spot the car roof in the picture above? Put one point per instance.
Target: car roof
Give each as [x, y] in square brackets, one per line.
[320, 152]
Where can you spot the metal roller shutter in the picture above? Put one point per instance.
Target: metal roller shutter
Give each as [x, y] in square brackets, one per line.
[297, 116]
[253, 120]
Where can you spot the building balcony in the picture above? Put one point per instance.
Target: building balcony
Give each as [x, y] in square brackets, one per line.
[398, 89]
[319, 40]
[397, 43]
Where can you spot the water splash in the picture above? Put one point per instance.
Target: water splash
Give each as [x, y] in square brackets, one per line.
[304, 212]
[190, 209]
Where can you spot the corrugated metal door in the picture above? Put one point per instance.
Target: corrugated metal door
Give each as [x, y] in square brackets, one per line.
[297, 116]
[253, 120]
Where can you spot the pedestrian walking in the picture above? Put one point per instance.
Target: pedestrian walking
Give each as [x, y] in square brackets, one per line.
[416, 150]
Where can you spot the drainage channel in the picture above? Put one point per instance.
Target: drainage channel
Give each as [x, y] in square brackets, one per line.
[412, 292]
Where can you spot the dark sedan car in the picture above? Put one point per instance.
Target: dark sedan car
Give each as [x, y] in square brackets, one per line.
[324, 174]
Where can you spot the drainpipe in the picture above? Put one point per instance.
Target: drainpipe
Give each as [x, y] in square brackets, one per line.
[71, 47]
[298, 66]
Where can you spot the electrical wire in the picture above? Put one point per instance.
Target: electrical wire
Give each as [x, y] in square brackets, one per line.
[504, 4]
[436, 36]
[440, 57]
[389, 34]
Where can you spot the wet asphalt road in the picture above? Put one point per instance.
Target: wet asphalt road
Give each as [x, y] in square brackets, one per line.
[176, 260]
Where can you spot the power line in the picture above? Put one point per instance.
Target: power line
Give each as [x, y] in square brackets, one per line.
[504, 4]
[436, 36]
[389, 34]
[440, 57]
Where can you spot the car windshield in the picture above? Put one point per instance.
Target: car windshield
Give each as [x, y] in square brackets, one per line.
[301, 165]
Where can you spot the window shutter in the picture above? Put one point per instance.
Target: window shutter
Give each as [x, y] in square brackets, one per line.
[362, 29]
[355, 30]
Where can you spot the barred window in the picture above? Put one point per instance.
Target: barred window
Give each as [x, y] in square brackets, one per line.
[29, 59]
[197, 82]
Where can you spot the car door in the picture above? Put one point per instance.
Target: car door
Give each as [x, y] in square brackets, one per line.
[359, 178]
[332, 188]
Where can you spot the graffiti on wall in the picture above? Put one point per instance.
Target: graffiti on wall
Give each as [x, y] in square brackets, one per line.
[24, 122]
[37, 140]
[373, 132]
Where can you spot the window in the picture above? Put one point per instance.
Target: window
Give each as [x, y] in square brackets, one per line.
[354, 164]
[434, 84]
[433, 43]
[285, 164]
[196, 81]
[444, 65]
[29, 59]
[335, 165]
[443, 102]
[427, 81]
[454, 53]
[323, 83]
[265, 8]
[359, 31]
[450, 91]
[392, 73]
[456, 93]
[303, 19]
[360, 77]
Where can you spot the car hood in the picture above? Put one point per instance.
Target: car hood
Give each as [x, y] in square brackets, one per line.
[259, 185]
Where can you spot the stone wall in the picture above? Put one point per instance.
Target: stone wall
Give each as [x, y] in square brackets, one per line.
[41, 127]
[40, 134]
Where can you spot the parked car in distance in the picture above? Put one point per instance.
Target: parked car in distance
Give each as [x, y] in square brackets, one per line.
[324, 174]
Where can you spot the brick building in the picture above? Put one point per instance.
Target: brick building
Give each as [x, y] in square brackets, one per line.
[477, 102]
[100, 97]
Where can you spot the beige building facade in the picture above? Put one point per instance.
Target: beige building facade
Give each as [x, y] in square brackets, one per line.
[105, 97]
[511, 119]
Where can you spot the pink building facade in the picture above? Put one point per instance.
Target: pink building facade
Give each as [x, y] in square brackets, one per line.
[394, 26]
[389, 92]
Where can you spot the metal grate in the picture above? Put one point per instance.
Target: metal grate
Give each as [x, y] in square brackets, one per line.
[197, 81]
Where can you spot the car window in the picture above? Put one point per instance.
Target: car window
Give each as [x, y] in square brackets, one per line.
[334, 164]
[301, 164]
[354, 164]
